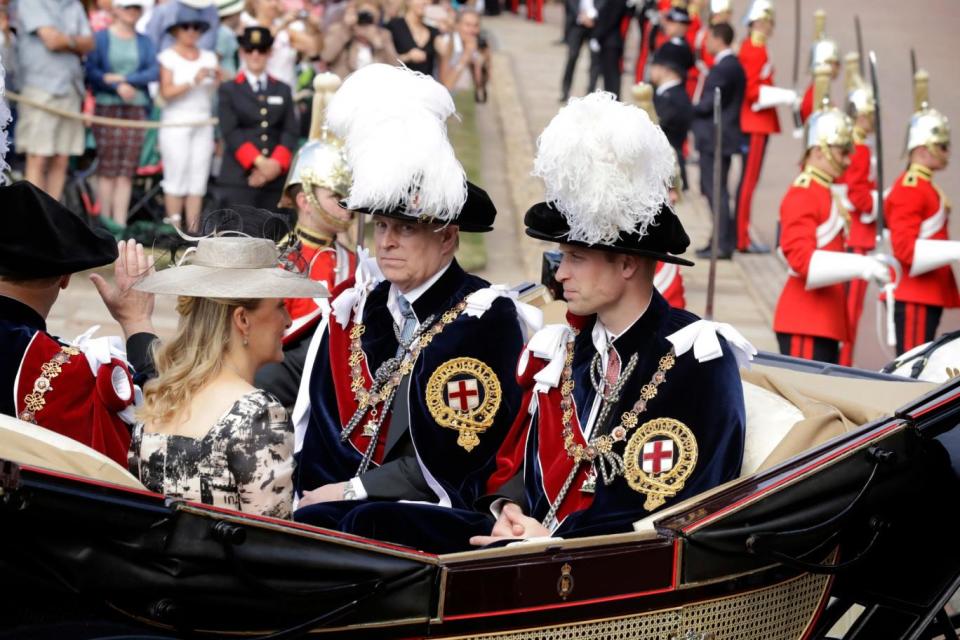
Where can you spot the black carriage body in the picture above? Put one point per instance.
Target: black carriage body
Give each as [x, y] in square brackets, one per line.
[860, 518]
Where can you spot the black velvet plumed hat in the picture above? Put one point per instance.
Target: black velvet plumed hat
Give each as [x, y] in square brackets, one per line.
[477, 214]
[664, 240]
[607, 169]
[41, 238]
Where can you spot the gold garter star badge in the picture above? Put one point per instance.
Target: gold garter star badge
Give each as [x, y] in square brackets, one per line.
[659, 458]
[464, 394]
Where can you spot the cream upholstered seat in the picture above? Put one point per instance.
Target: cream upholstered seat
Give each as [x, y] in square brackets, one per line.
[35, 446]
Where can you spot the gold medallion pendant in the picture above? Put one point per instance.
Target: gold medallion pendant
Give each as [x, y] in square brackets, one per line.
[659, 458]
[464, 394]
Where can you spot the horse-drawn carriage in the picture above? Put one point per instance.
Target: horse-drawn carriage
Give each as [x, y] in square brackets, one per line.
[840, 521]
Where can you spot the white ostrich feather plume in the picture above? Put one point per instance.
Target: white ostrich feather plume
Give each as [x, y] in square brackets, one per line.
[607, 168]
[393, 124]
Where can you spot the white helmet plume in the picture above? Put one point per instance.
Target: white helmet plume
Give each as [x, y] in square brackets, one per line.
[393, 124]
[607, 168]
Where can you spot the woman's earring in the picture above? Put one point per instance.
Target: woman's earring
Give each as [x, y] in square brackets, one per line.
[245, 341]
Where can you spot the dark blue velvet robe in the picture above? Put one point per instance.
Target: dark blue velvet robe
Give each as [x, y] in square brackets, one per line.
[496, 339]
[707, 397]
[18, 324]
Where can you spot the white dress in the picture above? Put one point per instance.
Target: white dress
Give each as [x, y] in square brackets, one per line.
[187, 151]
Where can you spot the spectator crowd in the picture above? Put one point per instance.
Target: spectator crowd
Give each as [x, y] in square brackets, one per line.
[215, 92]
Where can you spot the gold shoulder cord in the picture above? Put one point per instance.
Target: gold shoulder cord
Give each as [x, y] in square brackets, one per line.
[34, 401]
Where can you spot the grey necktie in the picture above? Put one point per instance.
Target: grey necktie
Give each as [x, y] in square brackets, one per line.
[409, 322]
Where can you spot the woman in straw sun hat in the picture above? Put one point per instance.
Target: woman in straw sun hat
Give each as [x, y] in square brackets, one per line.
[205, 432]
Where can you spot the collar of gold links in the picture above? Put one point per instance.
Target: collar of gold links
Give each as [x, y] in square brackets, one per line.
[603, 444]
[599, 448]
[369, 398]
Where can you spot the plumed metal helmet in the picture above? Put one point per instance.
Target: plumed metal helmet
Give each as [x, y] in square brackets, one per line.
[860, 100]
[759, 10]
[823, 50]
[720, 6]
[928, 127]
[827, 126]
[321, 162]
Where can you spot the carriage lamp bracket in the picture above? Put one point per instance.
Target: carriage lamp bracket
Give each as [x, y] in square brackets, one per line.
[760, 543]
[876, 524]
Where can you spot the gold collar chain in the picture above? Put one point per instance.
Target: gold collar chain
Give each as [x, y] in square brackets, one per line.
[600, 447]
[370, 398]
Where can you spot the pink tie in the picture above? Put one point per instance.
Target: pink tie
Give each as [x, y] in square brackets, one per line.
[613, 368]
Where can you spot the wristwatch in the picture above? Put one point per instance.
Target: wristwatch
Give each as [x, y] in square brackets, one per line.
[349, 491]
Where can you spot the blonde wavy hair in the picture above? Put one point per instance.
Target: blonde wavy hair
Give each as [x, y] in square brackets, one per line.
[192, 358]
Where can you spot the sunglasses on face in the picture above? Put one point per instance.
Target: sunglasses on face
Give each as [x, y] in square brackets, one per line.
[262, 50]
[194, 26]
[133, 7]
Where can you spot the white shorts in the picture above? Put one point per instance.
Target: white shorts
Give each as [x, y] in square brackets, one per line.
[187, 153]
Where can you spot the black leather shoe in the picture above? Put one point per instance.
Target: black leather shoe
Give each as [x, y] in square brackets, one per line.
[757, 247]
[704, 254]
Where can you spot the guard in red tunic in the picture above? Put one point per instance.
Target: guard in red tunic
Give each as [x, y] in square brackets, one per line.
[823, 51]
[916, 212]
[810, 319]
[77, 390]
[857, 192]
[318, 180]
[756, 122]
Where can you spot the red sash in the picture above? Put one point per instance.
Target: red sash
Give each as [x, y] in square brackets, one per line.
[346, 402]
[555, 464]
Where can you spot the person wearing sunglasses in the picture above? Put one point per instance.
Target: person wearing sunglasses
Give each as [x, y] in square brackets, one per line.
[811, 319]
[188, 81]
[259, 126]
[917, 214]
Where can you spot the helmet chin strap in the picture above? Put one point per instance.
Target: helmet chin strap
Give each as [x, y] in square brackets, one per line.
[311, 196]
[838, 168]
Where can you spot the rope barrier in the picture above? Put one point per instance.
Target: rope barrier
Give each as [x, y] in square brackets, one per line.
[107, 122]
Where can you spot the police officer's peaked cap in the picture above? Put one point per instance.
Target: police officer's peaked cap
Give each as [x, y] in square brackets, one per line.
[255, 38]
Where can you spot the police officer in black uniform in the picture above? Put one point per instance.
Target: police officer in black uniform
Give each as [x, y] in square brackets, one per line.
[259, 127]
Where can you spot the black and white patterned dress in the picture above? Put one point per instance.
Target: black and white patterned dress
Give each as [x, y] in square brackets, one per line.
[245, 461]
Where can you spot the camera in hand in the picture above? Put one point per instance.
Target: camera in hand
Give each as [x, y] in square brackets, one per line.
[364, 18]
[482, 42]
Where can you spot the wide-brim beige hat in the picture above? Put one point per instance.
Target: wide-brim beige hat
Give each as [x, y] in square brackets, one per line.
[232, 267]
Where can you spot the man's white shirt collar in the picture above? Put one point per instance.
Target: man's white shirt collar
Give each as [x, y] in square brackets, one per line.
[723, 54]
[411, 295]
[667, 85]
[254, 81]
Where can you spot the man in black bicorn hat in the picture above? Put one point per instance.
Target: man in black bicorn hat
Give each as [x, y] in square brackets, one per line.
[259, 127]
[612, 432]
[42, 379]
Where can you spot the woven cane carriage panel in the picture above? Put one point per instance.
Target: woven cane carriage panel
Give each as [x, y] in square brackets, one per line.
[779, 612]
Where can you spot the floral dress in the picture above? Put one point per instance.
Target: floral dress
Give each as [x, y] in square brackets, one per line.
[245, 461]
